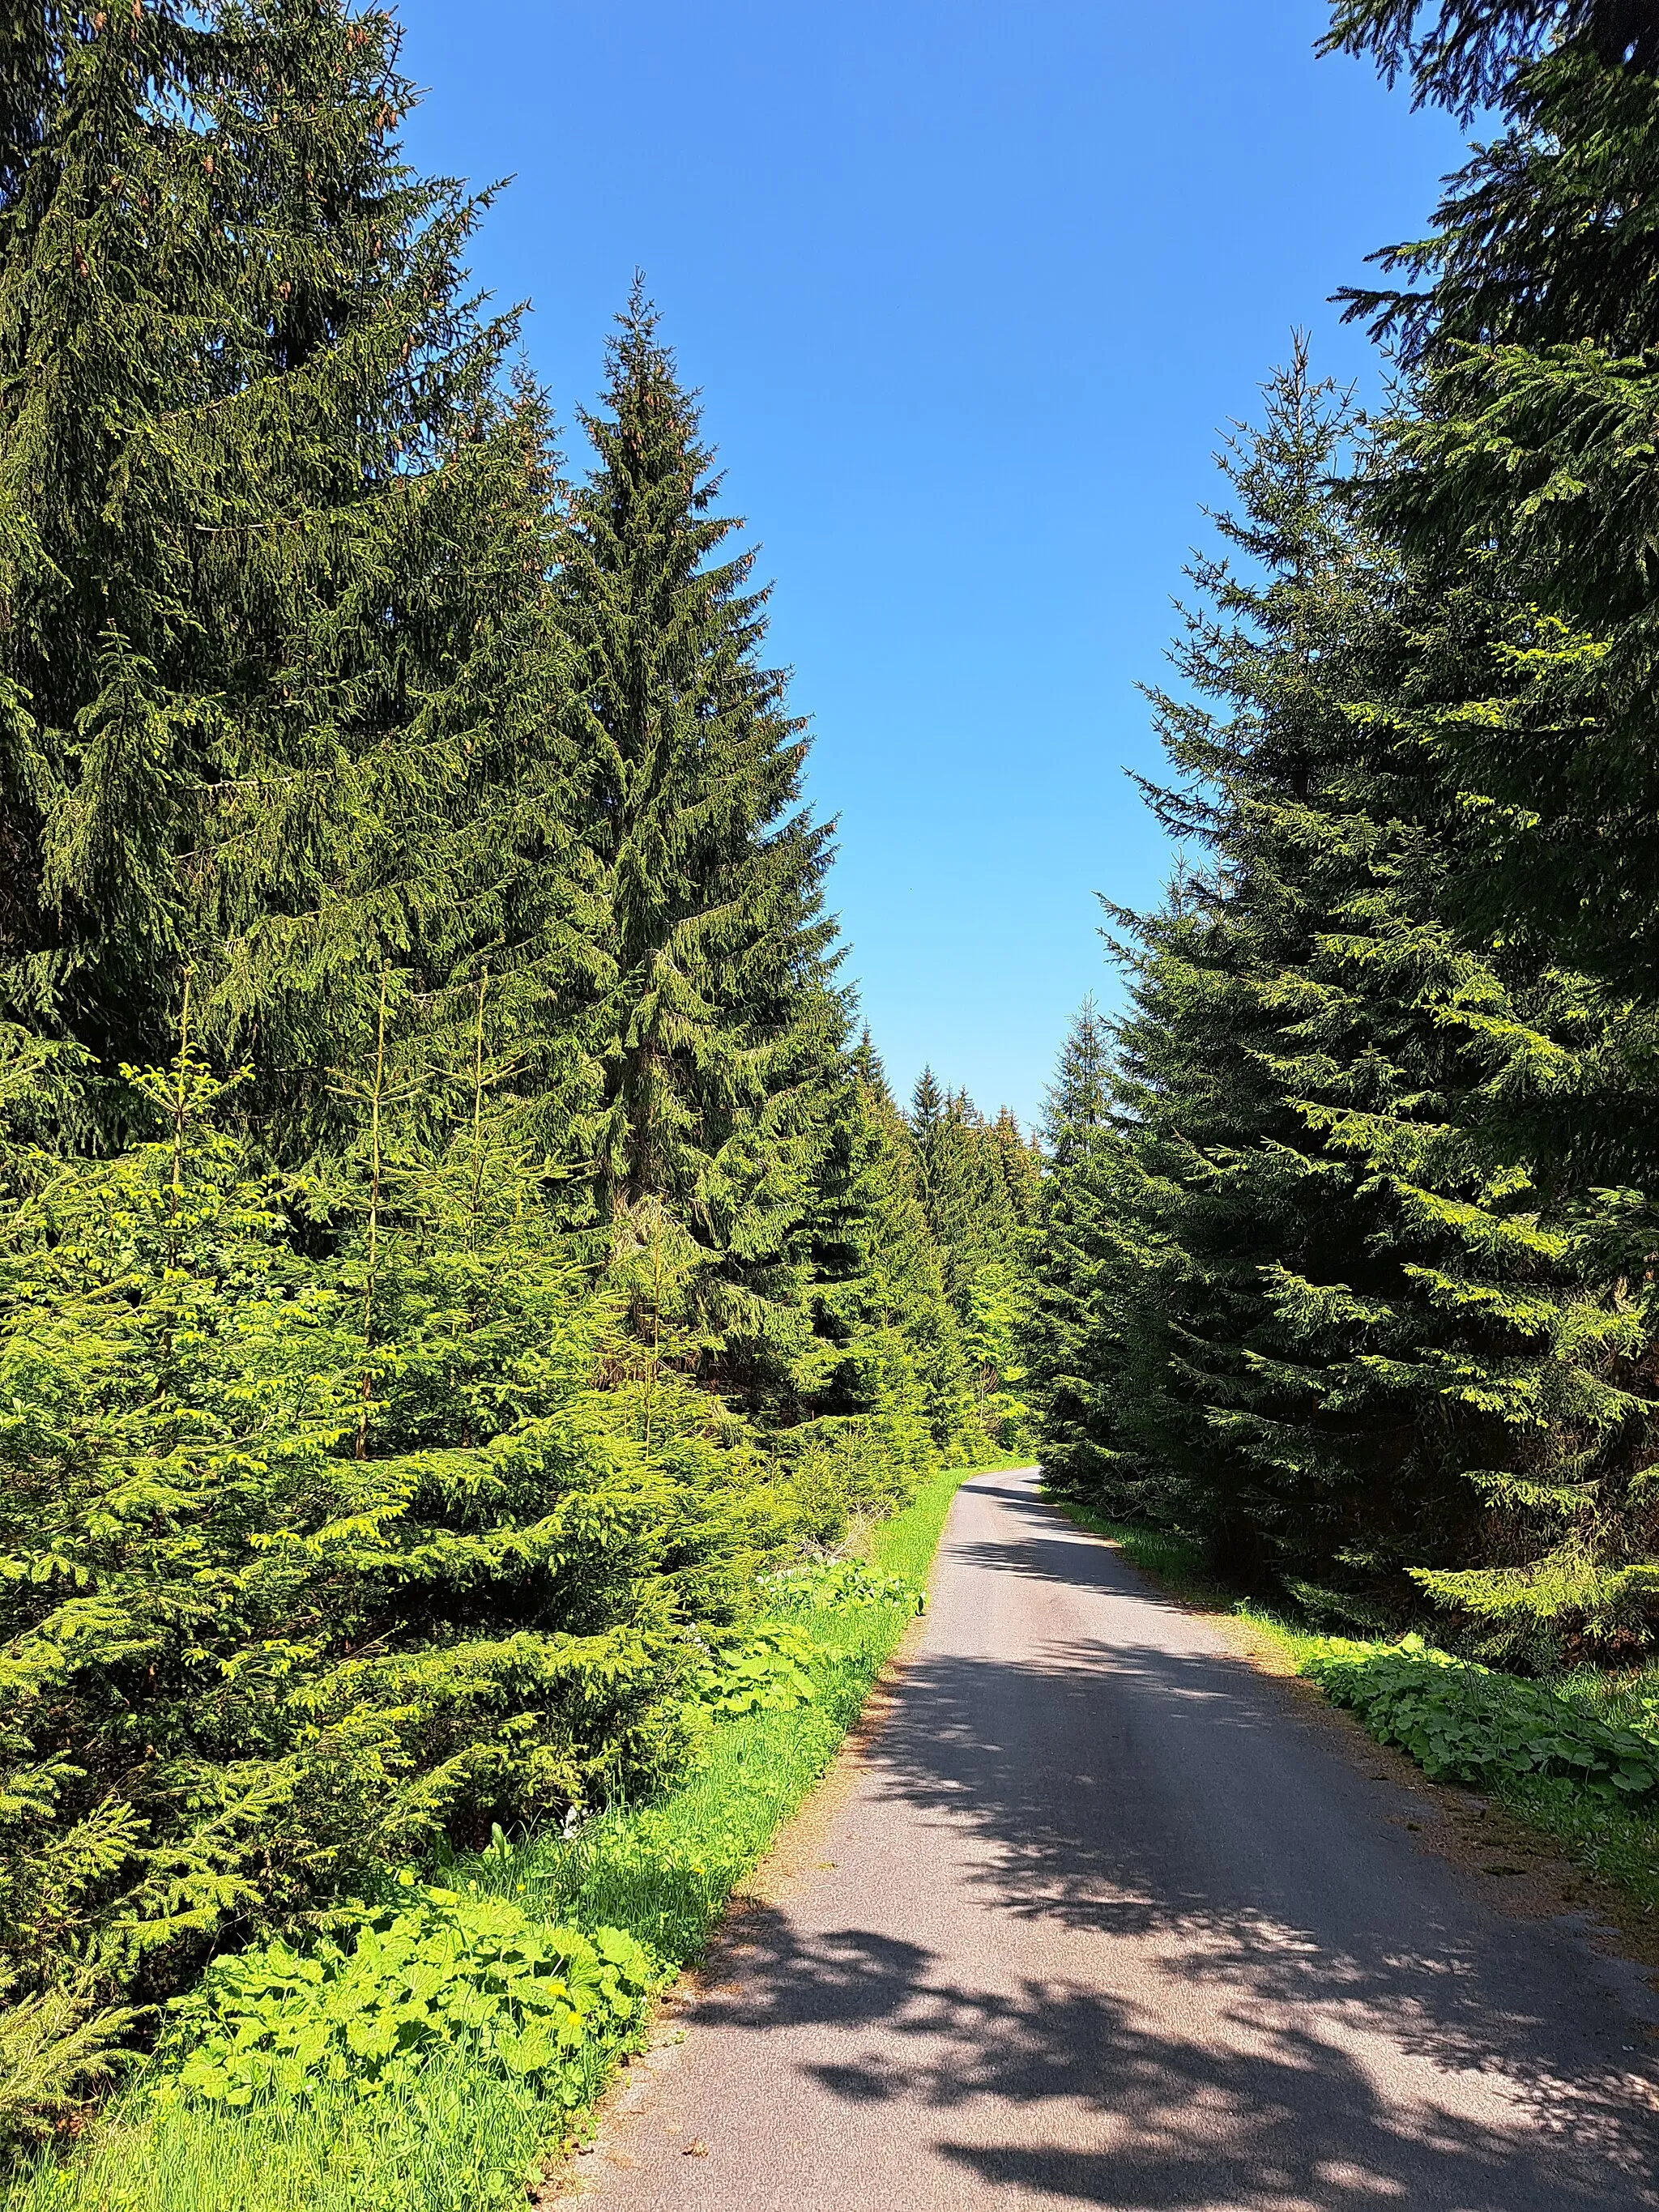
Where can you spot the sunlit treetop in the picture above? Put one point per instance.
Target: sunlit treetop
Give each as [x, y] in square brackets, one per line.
[1467, 54]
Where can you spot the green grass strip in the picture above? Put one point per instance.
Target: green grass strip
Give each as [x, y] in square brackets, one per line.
[463, 2139]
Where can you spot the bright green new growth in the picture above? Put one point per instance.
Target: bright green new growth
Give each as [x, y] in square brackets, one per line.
[309, 1562]
[472, 1975]
[460, 2132]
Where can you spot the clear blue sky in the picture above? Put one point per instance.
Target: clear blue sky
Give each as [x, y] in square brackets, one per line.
[969, 289]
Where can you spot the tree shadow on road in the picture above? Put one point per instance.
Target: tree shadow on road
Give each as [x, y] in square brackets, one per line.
[1117, 2108]
[1277, 2000]
[1048, 1548]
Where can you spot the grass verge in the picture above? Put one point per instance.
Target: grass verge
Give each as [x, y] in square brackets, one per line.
[1617, 1844]
[462, 2138]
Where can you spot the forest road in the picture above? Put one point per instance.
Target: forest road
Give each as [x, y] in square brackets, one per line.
[1100, 1915]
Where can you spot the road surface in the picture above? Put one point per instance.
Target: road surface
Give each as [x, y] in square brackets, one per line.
[1102, 1915]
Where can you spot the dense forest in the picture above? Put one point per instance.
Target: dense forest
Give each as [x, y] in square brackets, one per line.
[1347, 1232]
[460, 1246]
[456, 1236]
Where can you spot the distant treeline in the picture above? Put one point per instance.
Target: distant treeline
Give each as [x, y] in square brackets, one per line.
[454, 1234]
[1348, 1246]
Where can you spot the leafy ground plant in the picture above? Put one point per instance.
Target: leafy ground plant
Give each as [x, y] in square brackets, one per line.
[471, 1972]
[766, 1670]
[827, 1584]
[1465, 1723]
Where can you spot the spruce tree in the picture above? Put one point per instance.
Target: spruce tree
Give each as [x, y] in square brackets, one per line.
[1527, 325]
[964, 1186]
[1019, 1164]
[310, 1561]
[710, 1024]
[891, 1360]
[1070, 1361]
[1522, 480]
[1078, 1099]
[274, 541]
[1277, 1367]
[977, 1182]
[927, 1107]
[1351, 1339]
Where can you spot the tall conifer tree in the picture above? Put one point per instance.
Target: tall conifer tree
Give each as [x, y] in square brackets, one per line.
[978, 1185]
[273, 537]
[892, 1348]
[712, 1026]
[1528, 323]
[1068, 1343]
[1523, 479]
[1281, 1376]
[1348, 1333]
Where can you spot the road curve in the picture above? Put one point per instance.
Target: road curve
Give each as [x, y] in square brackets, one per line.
[1103, 1915]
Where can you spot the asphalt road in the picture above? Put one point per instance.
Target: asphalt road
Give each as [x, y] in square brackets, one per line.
[1105, 1916]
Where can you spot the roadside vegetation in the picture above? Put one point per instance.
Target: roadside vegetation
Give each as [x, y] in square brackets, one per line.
[271, 2094]
[1348, 1267]
[458, 1247]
